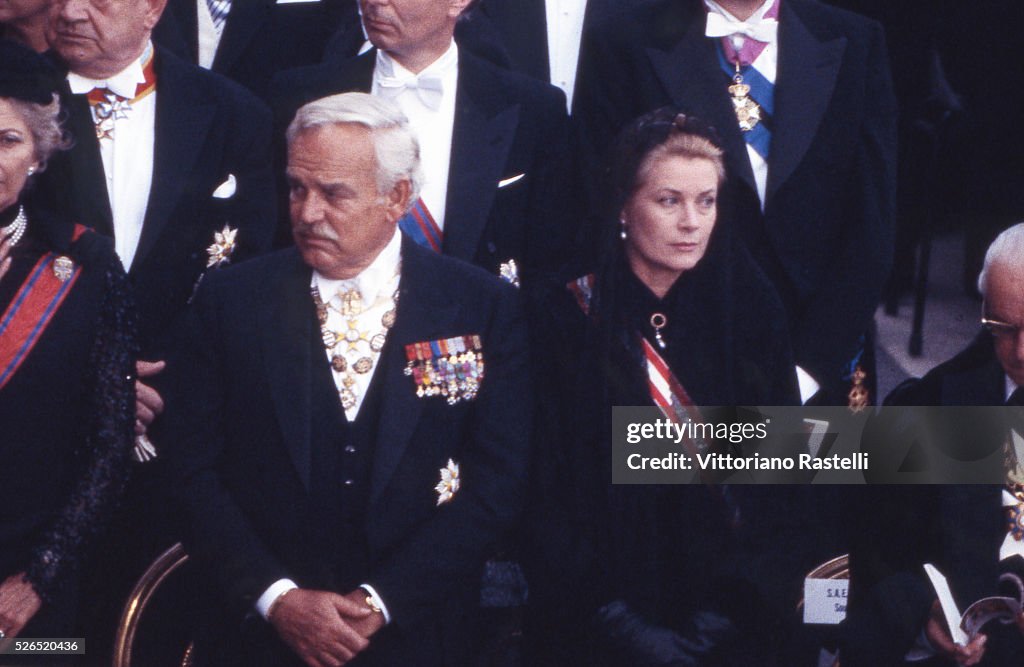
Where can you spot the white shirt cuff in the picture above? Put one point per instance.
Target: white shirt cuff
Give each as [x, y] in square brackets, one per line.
[377, 601]
[274, 591]
[808, 386]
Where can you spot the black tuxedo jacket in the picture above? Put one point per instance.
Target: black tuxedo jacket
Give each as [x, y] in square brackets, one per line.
[826, 234]
[250, 396]
[520, 27]
[505, 125]
[959, 528]
[260, 38]
[207, 129]
[973, 377]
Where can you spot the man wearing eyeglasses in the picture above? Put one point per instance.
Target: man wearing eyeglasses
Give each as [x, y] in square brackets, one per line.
[973, 533]
[990, 371]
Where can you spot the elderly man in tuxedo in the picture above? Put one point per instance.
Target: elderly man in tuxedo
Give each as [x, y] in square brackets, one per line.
[973, 533]
[165, 156]
[494, 142]
[345, 446]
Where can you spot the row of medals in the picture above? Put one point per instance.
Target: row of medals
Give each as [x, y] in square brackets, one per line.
[351, 308]
[456, 376]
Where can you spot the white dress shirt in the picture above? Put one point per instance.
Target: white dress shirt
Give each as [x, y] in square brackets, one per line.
[565, 30]
[433, 127]
[209, 34]
[377, 284]
[128, 155]
[767, 64]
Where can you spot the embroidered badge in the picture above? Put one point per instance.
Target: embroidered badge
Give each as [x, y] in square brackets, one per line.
[223, 247]
[509, 272]
[449, 484]
[63, 268]
[449, 367]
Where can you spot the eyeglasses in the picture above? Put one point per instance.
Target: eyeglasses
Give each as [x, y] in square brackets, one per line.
[1000, 329]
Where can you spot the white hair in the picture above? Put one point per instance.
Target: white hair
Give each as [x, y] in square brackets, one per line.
[394, 142]
[1008, 248]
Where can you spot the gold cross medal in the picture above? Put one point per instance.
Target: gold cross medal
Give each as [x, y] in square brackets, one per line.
[748, 113]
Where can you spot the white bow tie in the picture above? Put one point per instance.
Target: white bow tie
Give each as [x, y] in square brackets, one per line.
[123, 84]
[765, 30]
[429, 88]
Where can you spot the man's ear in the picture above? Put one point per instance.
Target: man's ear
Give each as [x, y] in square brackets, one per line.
[398, 200]
[457, 7]
[152, 11]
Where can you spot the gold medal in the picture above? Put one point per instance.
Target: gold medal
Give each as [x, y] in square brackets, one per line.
[748, 113]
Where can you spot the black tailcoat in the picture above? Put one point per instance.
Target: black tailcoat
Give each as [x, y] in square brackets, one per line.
[207, 129]
[505, 125]
[260, 38]
[959, 528]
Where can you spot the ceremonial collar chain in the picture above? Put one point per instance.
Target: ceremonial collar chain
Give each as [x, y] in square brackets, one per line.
[14, 231]
[353, 337]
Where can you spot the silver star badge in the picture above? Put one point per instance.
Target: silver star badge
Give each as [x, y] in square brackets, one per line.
[449, 484]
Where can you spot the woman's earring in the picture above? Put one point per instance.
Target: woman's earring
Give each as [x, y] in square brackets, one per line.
[31, 170]
[622, 228]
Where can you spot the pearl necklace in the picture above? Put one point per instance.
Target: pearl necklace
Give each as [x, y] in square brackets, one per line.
[14, 231]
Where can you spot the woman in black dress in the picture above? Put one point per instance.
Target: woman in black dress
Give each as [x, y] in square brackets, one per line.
[677, 316]
[66, 389]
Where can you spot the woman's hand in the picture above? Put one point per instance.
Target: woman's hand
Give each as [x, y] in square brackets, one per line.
[19, 602]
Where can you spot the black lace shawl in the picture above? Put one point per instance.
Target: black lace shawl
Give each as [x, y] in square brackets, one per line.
[104, 455]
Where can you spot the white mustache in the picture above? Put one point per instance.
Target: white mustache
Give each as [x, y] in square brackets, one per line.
[321, 231]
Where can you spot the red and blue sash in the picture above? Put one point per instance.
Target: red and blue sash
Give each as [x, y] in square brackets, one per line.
[31, 311]
[420, 225]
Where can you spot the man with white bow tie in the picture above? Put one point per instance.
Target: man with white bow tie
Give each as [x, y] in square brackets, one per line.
[173, 162]
[801, 95]
[493, 142]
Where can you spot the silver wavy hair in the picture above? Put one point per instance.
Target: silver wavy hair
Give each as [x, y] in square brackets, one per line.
[395, 144]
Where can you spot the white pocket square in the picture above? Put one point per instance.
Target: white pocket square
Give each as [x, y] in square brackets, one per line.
[226, 190]
[510, 180]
